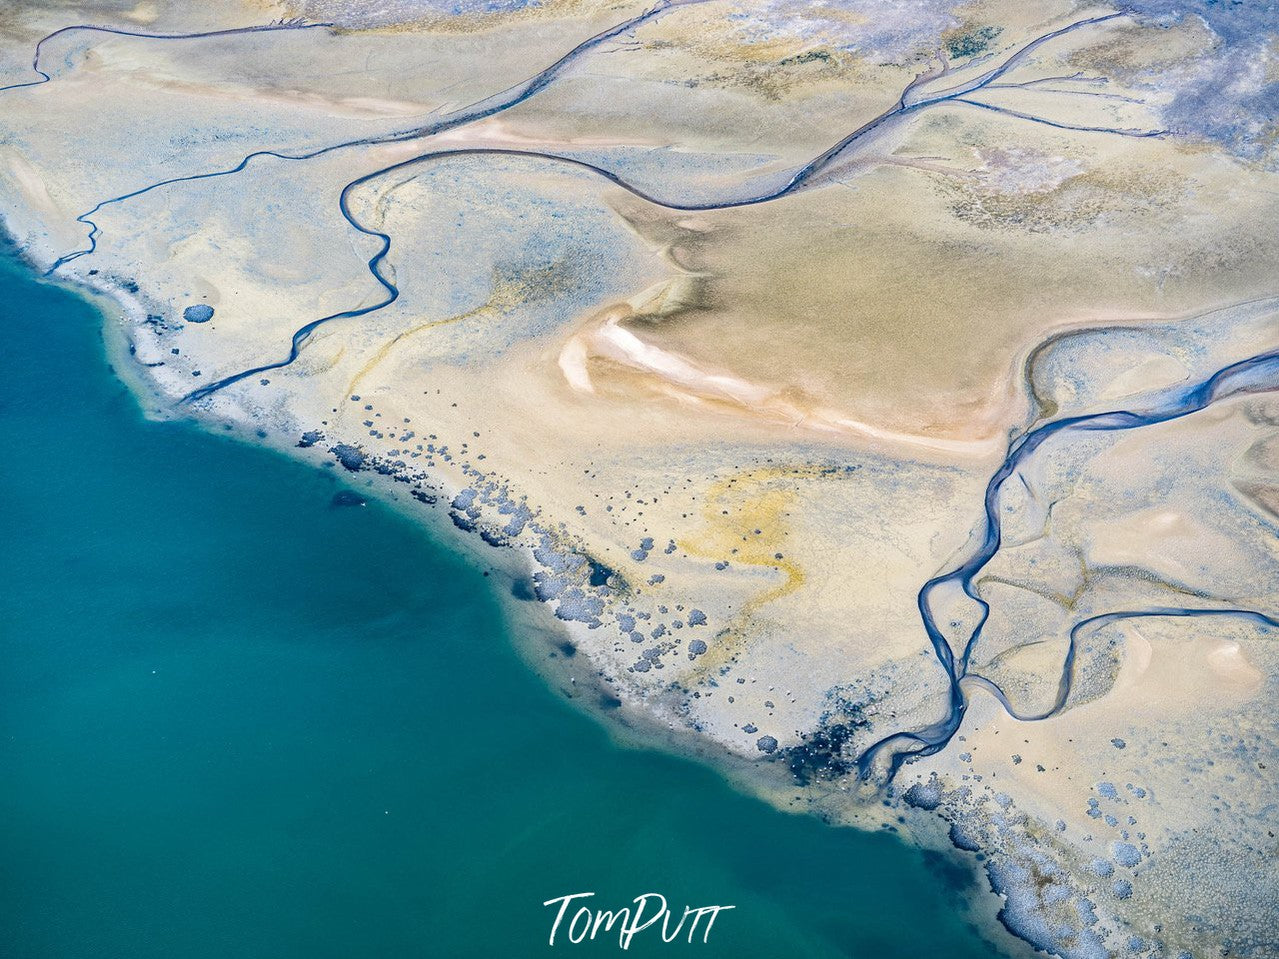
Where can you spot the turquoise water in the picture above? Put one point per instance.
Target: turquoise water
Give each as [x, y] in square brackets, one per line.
[238, 722]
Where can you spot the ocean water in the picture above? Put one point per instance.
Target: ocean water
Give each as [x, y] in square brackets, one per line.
[236, 721]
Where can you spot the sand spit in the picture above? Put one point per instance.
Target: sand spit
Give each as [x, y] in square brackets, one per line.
[894, 428]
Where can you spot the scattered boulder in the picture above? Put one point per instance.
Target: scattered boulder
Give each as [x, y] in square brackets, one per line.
[924, 795]
[351, 457]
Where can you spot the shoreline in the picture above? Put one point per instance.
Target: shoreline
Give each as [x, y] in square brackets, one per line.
[541, 638]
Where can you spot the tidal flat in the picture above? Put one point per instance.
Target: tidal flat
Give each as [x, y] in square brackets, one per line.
[878, 401]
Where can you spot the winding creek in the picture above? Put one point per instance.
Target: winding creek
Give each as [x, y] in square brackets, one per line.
[909, 103]
[1257, 374]
[489, 106]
